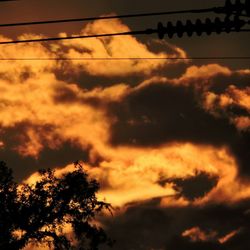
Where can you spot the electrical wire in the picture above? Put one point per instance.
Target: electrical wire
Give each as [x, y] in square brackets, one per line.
[67, 38]
[109, 17]
[74, 37]
[84, 19]
[143, 32]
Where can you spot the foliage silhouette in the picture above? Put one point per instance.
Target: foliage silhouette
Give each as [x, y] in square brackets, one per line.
[38, 213]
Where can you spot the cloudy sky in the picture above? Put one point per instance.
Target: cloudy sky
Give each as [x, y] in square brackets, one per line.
[168, 140]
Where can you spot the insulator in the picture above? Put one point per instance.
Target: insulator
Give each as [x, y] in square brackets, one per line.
[180, 29]
[218, 26]
[208, 26]
[170, 29]
[198, 27]
[189, 28]
[161, 30]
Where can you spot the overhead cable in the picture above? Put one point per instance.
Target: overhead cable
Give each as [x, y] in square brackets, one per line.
[229, 8]
[106, 17]
[160, 31]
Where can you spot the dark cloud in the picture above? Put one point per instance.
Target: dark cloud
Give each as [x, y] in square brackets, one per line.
[217, 85]
[194, 187]
[63, 94]
[235, 110]
[146, 226]
[240, 146]
[163, 113]
[88, 82]
[23, 167]
[181, 243]
[221, 82]
[238, 242]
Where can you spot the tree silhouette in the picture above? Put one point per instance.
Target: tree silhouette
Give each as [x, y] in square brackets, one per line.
[39, 212]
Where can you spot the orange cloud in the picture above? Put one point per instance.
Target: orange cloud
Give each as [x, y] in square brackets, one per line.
[30, 96]
[198, 76]
[204, 72]
[221, 103]
[229, 236]
[29, 88]
[196, 234]
[115, 47]
[132, 174]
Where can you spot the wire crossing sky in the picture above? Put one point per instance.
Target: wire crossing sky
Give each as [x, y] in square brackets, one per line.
[143, 32]
[107, 17]
[219, 10]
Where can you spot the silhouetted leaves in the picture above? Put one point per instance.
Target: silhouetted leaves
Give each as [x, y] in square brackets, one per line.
[39, 212]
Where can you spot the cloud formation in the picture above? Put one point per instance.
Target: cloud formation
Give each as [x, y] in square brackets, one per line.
[179, 143]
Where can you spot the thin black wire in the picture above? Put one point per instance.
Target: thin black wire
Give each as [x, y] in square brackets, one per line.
[149, 31]
[144, 32]
[110, 17]
[125, 58]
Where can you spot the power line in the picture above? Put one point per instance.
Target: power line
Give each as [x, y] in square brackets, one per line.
[124, 58]
[149, 31]
[144, 32]
[228, 8]
[108, 17]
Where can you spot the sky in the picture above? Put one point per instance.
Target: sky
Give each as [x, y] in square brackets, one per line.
[168, 140]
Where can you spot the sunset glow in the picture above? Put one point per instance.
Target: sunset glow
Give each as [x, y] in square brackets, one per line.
[167, 138]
